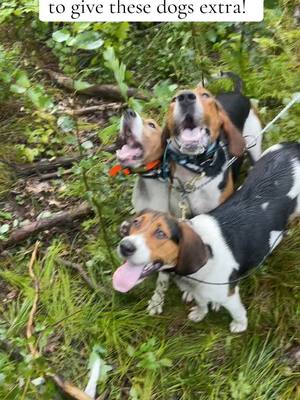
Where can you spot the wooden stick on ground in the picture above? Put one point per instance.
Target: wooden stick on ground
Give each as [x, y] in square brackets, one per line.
[41, 167]
[92, 109]
[55, 175]
[58, 219]
[80, 269]
[29, 328]
[107, 92]
[68, 388]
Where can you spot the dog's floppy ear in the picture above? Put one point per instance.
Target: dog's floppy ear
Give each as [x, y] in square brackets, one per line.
[193, 253]
[169, 122]
[166, 134]
[237, 144]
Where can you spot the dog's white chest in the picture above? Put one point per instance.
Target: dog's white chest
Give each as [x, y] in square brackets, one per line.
[150, 193]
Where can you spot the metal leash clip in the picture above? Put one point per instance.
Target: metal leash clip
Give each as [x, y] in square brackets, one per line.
[184, 209]
[190, 186]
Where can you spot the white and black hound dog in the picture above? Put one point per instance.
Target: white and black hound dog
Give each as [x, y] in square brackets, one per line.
[219, 247]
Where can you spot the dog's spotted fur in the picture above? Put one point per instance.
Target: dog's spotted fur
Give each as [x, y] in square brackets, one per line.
[224, 245]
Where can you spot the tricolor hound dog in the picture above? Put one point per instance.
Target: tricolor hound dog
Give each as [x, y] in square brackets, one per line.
[205, 132]
[221, 246]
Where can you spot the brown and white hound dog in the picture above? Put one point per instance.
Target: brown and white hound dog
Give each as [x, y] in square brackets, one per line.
[142, 152]
[210, 253]
[204, 135]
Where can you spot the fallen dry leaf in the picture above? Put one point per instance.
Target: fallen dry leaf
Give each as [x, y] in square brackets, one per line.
[36, 187]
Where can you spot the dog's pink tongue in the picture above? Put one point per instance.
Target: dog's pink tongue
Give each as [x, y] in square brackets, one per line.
[128, 153]
[192, 135]
[126, 277]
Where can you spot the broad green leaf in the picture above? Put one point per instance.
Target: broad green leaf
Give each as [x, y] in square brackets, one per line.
[86, 41]
[30, 154]
[166, 362]
[87, 145]
[5, 77]
[4, 229]
[22, 79]
[81, 85]
[17, 89]
[61, 35]
[81, 26]
[92, 45]
[211, 35]
[5, 215]
[38, 97]
[66, 123]
[109, 55]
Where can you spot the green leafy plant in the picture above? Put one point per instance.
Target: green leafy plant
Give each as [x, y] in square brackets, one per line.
[17, 82]
[118, 68]
[148, 356]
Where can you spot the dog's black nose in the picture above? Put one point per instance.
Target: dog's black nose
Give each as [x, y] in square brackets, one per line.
[127, 248]
[187, 98]
[130, 113]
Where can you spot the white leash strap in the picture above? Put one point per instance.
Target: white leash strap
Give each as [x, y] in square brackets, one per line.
[295, 99]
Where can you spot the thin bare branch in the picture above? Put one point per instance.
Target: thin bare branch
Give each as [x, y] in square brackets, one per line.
[30, 323]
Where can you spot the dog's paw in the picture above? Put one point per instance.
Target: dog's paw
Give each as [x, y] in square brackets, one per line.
[124, 228]
[238, 326]
[187, 297]
[154, 308]
[215, 307]
[197, 314]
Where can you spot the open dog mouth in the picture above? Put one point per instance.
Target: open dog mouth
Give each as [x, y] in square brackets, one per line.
[193, 140]
[130, 155]
[132, 151]
[129, 275]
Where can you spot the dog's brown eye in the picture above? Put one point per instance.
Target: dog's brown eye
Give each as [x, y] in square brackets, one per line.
[173, 100]
[159, 234]
[136, 223]
[152, 125]
[205, 95]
